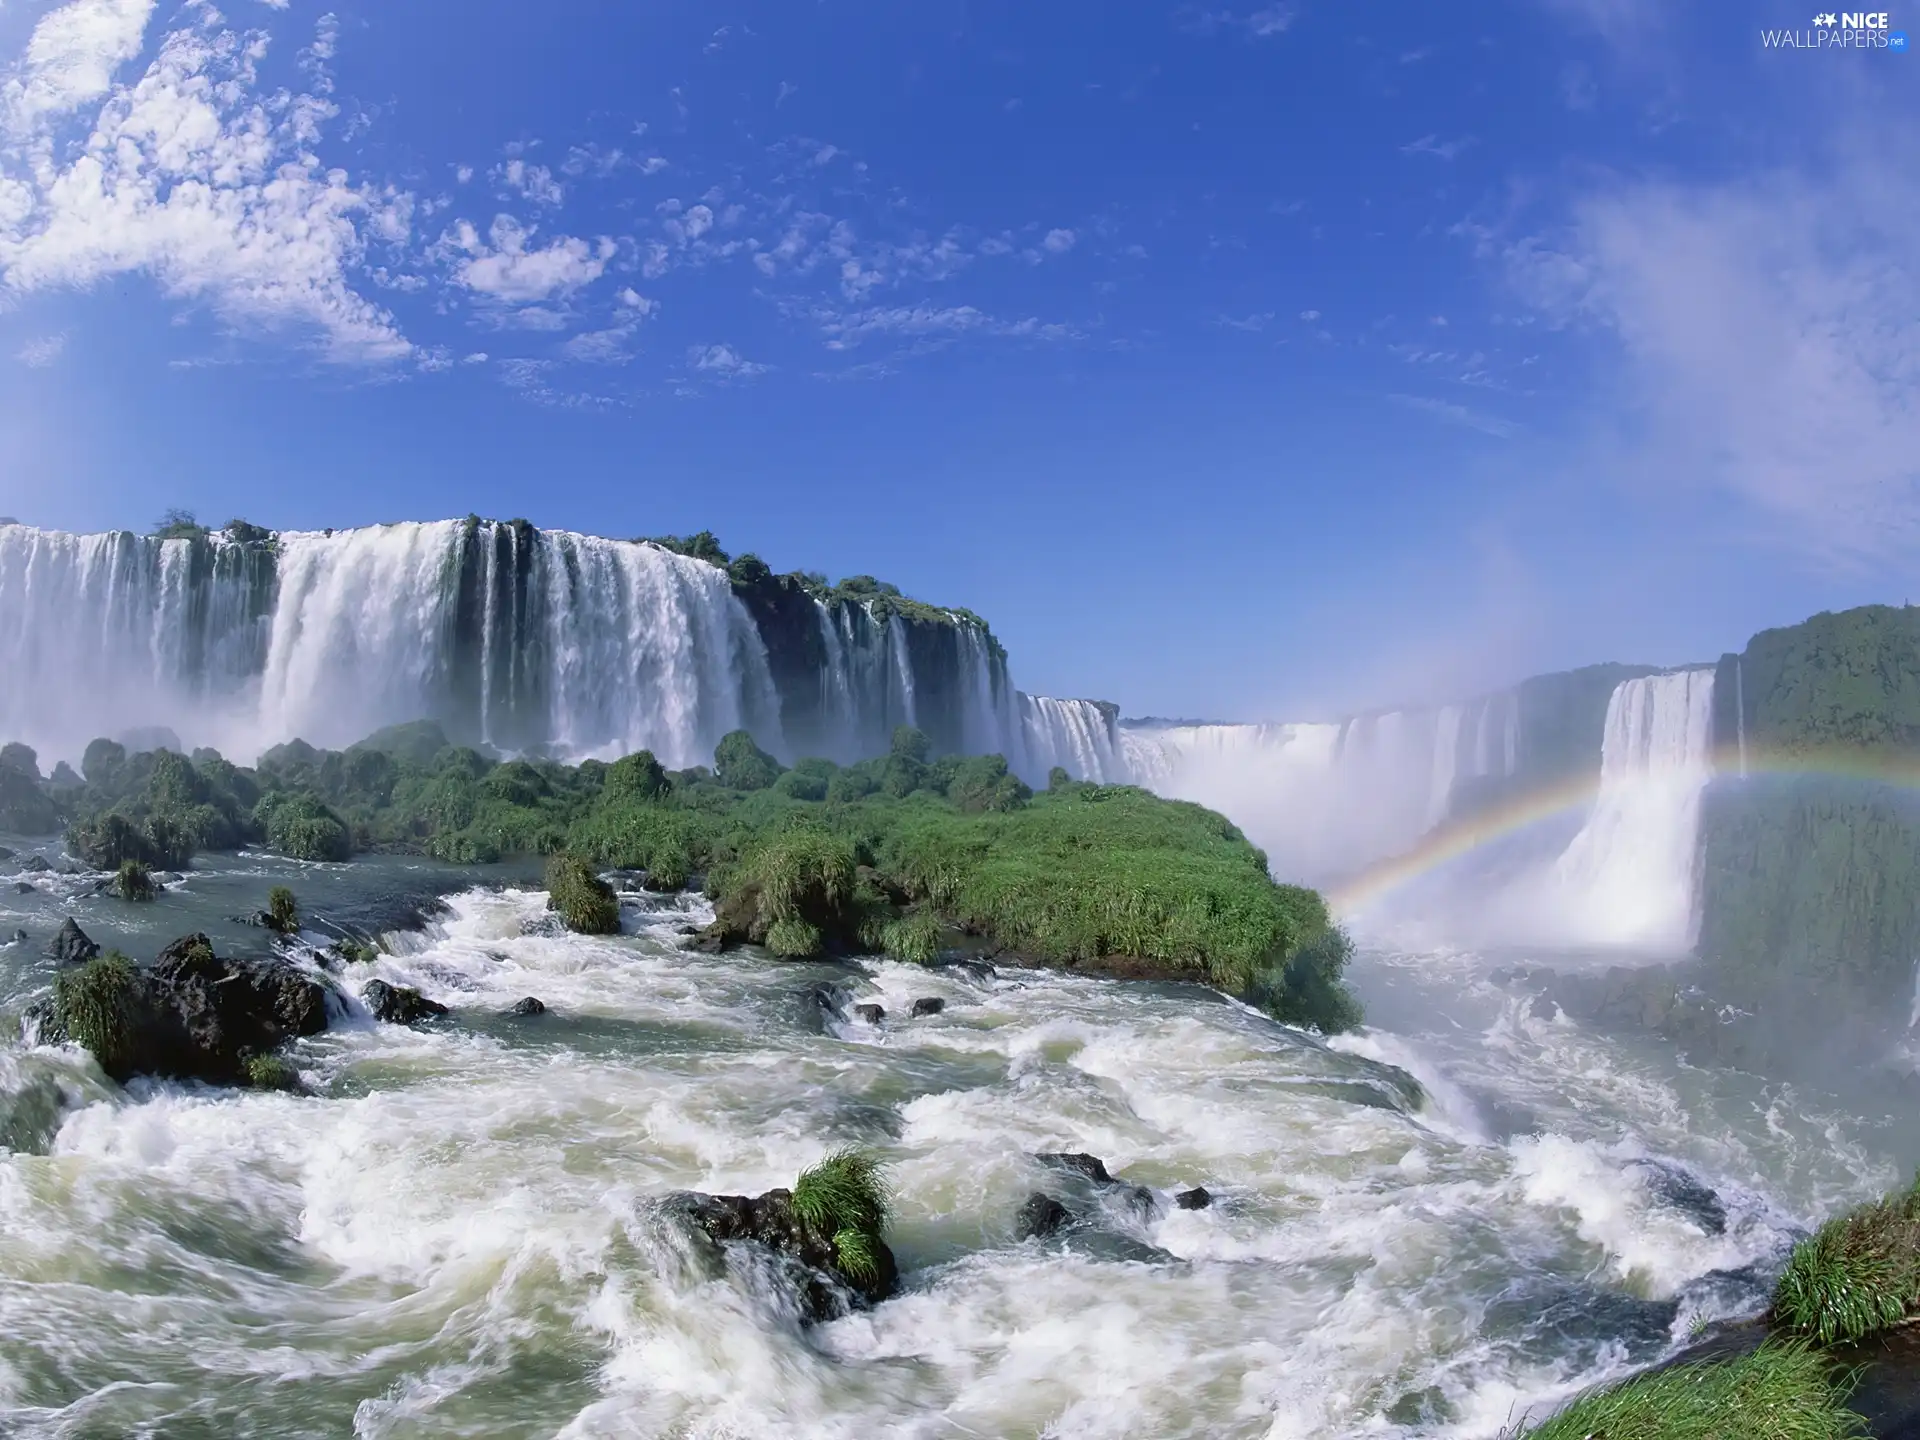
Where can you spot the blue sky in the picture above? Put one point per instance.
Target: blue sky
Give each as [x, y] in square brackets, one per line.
[1232, 359]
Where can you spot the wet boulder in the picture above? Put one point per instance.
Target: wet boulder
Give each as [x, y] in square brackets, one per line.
[1198, 1198]
[928, 1005]
[35, 865]
[872, 1014]
[399, 1004]
[190, 1015]
[1040, 1216]
[1079, 1162]
[70, 945]
[527, 1007]
[804, 1252]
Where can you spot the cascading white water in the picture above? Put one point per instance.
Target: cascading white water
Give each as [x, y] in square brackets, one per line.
[1629, 876]
[107, 632]
[503, 633]
[1076, 735]
[649, 650]
[1446, 763]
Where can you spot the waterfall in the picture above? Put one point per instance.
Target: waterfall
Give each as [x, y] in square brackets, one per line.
[1628, 877]
[1446, 762]
[1740, 713]
[505, 634]
[1076, 735]
[113, 631]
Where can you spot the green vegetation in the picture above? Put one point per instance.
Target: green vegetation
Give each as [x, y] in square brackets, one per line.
[846, 1197]
[98, 1004]
[133, 881]
[907, 853]
[584, 902]
[1857, 1275]
[283, 911]
[270, 1072]
[179, 525]
[1781, 1391]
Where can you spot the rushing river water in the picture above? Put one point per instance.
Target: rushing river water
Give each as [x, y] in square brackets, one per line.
[457, 1234]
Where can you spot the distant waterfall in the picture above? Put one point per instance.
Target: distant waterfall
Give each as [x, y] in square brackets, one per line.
[1077, 735]
[505, 634]
[1629, 875]
[1446, 763]
[1740, 713]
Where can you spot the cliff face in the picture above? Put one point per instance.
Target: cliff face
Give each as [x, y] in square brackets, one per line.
[1809, 895]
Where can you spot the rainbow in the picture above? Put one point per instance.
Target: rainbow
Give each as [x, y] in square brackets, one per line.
[1449, 842]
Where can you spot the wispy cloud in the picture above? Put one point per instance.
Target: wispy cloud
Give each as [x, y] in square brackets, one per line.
[1461, 415]
[39, 354]
[1765, 339]
[507, 265]
[723, 362]
[1433, 145]
[187, 176]
[1257, 24]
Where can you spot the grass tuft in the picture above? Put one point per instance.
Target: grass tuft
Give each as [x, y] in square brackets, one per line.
[270, 1072]
[793, 939]
[914, 938]
[283, 911]
[845, 1191]
[98, 1004]
[584, 901]
[1857, 1274]
[133, 881]
[1785, 1390]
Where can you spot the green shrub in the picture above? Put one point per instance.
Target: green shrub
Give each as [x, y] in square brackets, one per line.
[636, 777]
[98, 1005]
[739, 764]
[798, 785]
[134, 881]
[914, 938]
[846, 1196]
[1857, 1274]
[270, 1072]
[585, 903]
[283, 911]
[793, 939]
[1781, 1391]
[300, 826]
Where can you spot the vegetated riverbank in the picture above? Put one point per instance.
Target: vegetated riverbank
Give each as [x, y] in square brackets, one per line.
[904, 854]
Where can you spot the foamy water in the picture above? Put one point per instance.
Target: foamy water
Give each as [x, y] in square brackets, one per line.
[457, 1235]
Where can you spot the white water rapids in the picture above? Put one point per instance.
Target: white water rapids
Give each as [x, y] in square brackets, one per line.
[456, 1235]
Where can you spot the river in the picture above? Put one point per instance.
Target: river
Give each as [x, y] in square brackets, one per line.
[457, 1233]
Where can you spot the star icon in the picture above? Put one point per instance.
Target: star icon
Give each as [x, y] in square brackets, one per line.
[1826, 18]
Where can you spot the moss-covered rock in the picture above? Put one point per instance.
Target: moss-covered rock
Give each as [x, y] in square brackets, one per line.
[584, 902]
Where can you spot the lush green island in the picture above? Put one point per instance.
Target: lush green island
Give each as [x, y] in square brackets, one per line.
[904, 854]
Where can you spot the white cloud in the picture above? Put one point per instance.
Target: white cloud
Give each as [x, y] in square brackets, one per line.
[843, 332]
[533, 182]
[1459, 415]
[637, 302]
[1435, 146]
[1059, 242]
[39, 354]
[1767, 339]
[186, 175]
[462, 174]
[507, 267]
[601, 347]
[1309, 315]
[71, 58]
[723, 362]
[1259, 24]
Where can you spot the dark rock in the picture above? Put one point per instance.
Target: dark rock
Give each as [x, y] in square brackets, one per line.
[1680, 1190]
[872, 1014]
[5, 854]
[975, 969]
[1041, 1216]
[928, 1005]
[1194, 1199]
[1091, 1166]
[770, 1221]
[528, 1006]
[1543, 1007]
[19, 938]
[70, 945]
[35, 865]
[399, 1004]
[194, 1016]
[20, 887]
